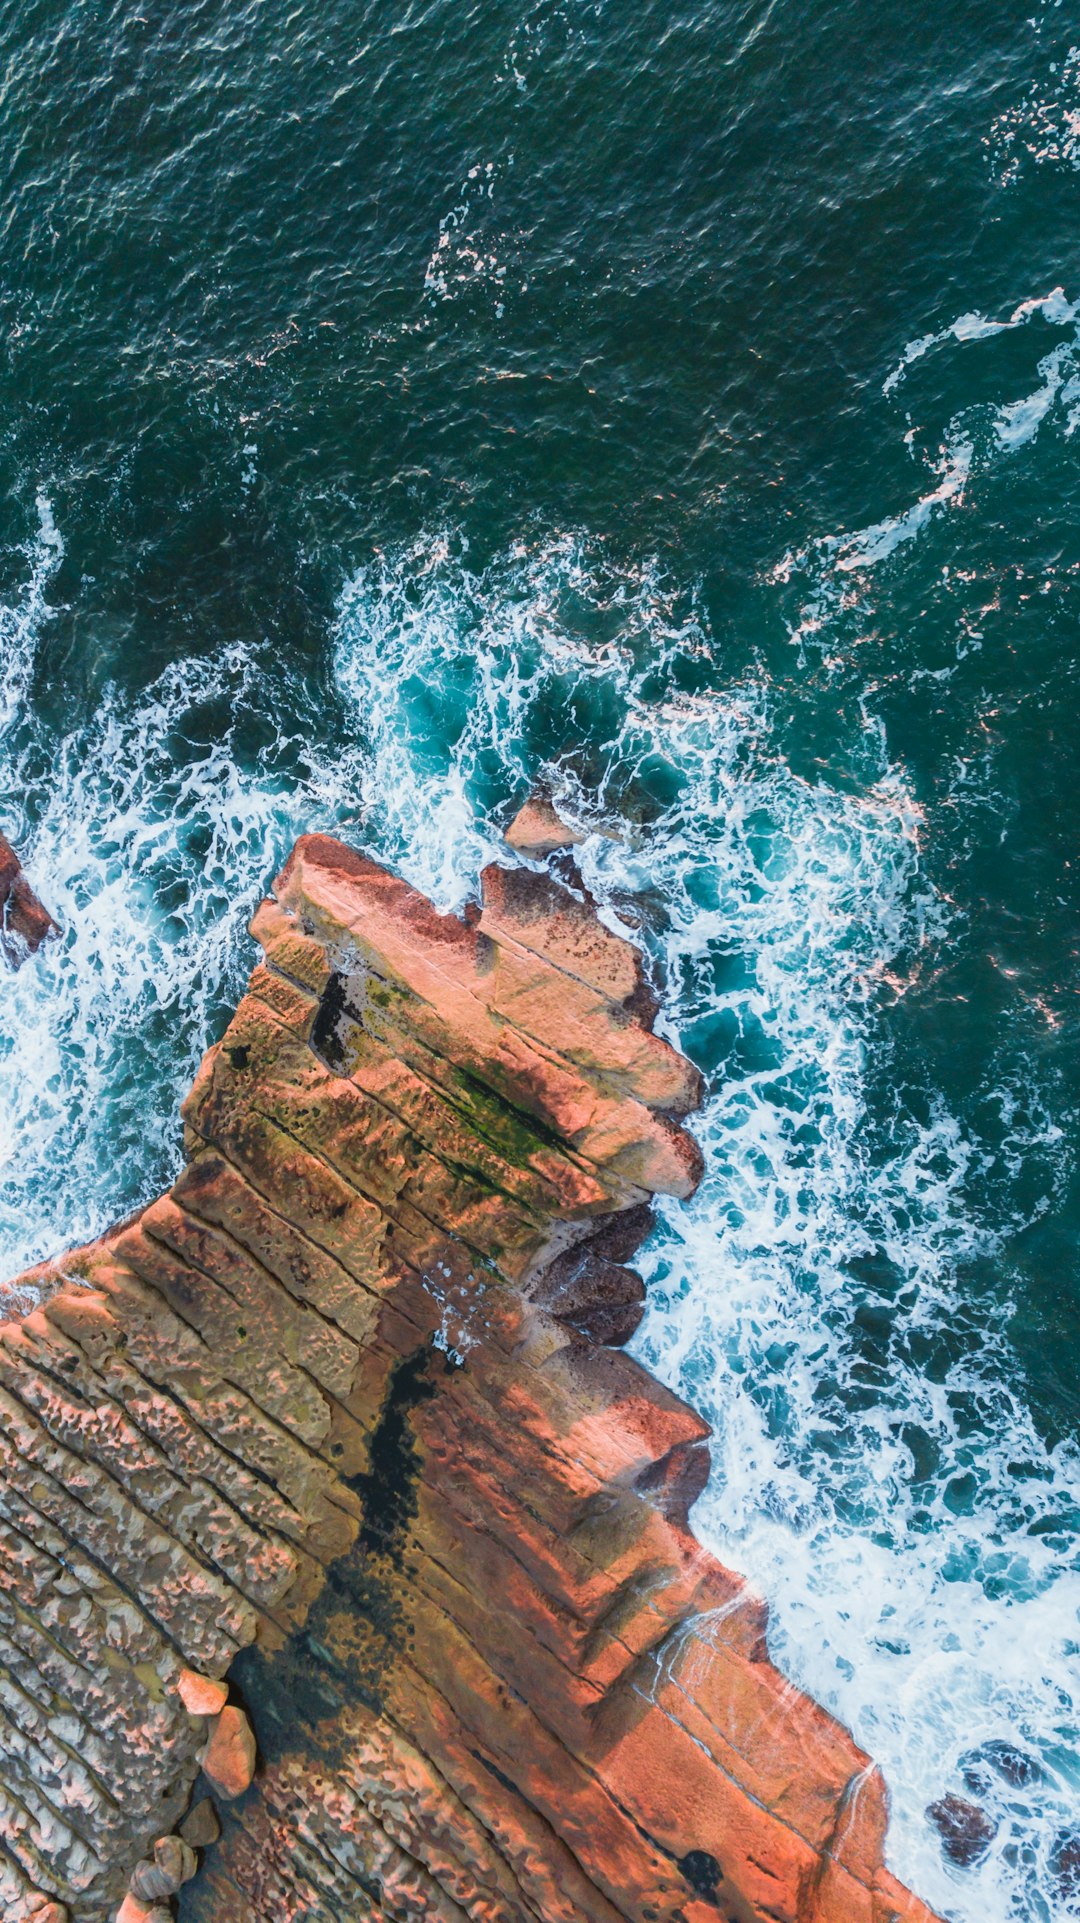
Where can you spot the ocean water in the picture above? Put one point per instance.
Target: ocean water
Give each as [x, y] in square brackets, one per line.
[680, 404]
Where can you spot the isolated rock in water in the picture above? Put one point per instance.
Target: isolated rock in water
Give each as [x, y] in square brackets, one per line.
[538, 830]
[24, 923]
[335, 1417]
[229, 1757]
[1066, 1864]
[966, 1830]
[1000, 1762]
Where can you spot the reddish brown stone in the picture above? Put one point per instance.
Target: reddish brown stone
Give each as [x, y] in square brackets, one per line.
[200, 1695]
[338, 1416]
[537, 829]
[134, 1910]
[228, 1761]
[24, 922]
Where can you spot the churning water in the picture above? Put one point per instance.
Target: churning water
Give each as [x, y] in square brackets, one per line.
[683, 408]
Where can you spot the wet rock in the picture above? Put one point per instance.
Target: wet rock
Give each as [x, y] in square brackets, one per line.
[200, 1695]
[228, 1760]
[966, 1831]
[200, 1826]
[24, 922]
[133, 1910]
[173, 1864]
[1000, 1762]
[601, 1299]
[537, 829]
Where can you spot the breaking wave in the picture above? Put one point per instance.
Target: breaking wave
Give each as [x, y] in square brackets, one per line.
[876, 1469]
[150, 836]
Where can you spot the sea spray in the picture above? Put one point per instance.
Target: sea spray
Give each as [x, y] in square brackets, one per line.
[151, 835]
[876, 1470]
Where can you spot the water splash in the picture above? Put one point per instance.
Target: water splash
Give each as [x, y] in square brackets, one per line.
[20, 623]
[877, 1470]
[150, 840]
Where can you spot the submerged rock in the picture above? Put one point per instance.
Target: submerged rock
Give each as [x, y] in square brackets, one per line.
[337, 1416]
[997, 1762]
[966, 1831]
[1066, 1866]
[24, 922]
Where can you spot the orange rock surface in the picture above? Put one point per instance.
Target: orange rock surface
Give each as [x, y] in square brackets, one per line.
[337, 1418]
[228, 1761]
[201, 1695]
[24, 923]
[538, 830]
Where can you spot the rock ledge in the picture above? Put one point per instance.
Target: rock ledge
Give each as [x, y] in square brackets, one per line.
[334, 1420]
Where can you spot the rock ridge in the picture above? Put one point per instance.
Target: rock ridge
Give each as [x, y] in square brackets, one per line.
[333, 1515]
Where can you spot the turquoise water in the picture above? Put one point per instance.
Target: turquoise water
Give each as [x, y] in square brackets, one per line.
[400, 403]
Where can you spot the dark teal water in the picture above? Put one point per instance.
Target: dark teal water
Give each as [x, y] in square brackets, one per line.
[400, 403]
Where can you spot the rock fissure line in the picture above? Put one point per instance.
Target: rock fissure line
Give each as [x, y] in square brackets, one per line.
[337, 1422]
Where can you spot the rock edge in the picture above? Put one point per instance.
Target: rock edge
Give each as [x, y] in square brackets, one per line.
[335, 1420]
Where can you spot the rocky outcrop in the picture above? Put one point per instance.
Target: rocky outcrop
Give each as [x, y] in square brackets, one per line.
[538, 829]
[329, 1515]
[24, 923]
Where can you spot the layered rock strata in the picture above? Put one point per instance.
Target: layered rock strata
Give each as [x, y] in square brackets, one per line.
[337, 1422]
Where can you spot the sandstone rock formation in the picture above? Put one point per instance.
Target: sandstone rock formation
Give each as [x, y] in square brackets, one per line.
[334, 1420]
[538, 829]
[24, 923]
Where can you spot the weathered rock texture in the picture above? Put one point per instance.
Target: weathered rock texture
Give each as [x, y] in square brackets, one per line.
[24, 923]
[334, 1420]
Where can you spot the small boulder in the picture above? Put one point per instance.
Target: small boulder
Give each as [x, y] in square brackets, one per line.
[228, 1760]
[174, 1863]
[200, 1826]
[200, 1695]
[538, 830]
[132, 1910]
[24, 922]
[966, 1830]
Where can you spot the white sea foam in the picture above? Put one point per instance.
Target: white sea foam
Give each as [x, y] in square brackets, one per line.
[150, 846]
[20, 621]
[1014, 422]
[876, 1469]
[914, 1535]
[973, 442]
[1053, 307]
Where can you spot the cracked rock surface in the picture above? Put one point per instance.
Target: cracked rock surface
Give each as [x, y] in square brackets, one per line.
[336, 1422]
